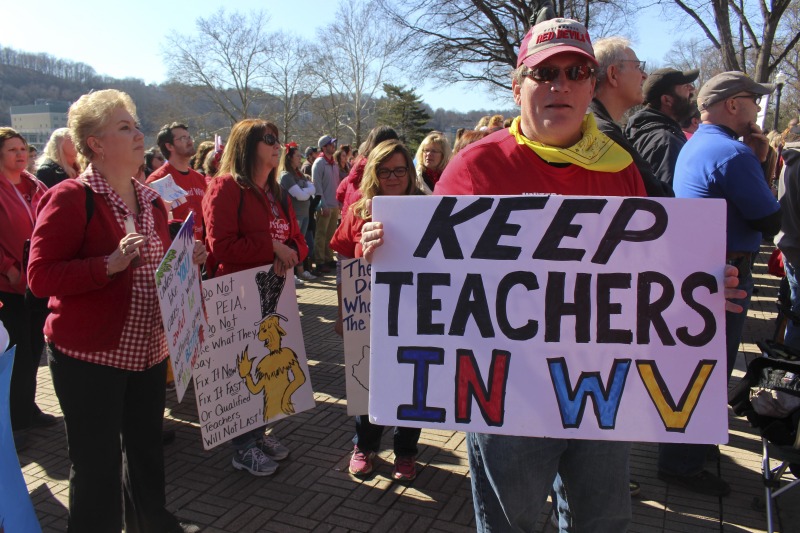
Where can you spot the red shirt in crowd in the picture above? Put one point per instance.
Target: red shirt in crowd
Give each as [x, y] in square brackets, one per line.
[195, 186]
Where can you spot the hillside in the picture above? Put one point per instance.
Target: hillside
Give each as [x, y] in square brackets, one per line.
[25, 78]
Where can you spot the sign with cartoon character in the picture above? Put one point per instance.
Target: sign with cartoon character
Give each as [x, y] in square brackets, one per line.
[178, 284]
[252, 368]
[551, 316]
[355, 324]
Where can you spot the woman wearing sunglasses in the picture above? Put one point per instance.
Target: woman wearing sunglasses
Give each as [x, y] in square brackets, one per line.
[251, 223]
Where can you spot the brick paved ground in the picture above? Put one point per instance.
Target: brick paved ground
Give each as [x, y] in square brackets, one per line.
[313, 492]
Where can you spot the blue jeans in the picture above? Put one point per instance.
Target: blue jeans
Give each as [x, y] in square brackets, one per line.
[561, 506]
[792, 335]
[302, 221]
[512, 476]
[688, 459]
[368, 438]
[734, 322]
[248, 440]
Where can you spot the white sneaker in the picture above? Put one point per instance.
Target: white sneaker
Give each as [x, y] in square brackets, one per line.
[254, 461]
[273, 448]
[298, 282]
[308, 276]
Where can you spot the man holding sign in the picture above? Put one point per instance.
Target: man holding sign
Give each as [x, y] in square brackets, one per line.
[554, 147]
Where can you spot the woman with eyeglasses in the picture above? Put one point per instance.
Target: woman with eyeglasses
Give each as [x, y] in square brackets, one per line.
[250, 223]
[389, 172]
[432, 157]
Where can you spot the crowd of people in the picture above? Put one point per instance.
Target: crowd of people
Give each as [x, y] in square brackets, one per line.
[80, 241]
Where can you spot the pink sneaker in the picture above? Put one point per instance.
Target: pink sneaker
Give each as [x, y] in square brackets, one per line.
[405, 468]
[361, 462]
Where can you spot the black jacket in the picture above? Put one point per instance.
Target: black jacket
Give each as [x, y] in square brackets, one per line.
[50, 173]
[606, 124]
[658, 139]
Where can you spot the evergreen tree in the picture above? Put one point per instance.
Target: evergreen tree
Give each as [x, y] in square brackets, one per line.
[403, 110]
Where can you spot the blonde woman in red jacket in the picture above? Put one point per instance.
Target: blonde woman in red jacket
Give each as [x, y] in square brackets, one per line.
[20, 193]
[98, 241]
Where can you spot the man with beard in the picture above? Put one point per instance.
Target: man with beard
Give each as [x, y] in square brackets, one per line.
[655, 131]
[178, 148]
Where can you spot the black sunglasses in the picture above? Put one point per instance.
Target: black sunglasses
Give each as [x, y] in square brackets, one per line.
[756, 98]
[270, 139]
[548, 74]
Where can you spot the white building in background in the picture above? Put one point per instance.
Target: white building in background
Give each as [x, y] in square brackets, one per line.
[36, 122]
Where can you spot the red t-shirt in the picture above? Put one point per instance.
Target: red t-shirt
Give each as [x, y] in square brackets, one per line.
[195, 186]
[279, 226]
[497, 165]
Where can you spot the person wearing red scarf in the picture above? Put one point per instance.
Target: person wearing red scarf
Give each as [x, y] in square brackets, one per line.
[432, 158]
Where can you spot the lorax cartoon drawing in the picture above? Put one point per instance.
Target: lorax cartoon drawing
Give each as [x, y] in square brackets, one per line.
[278, 374]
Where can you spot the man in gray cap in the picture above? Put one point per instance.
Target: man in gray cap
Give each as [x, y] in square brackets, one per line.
[325, 175]
[715, 164]
[310, 156]
[655, 131]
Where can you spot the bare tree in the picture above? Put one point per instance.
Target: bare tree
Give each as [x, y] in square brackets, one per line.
[694, 53]
[356, 53]
[288, 77]
[751, 35]
[478, 40]
[227, 58]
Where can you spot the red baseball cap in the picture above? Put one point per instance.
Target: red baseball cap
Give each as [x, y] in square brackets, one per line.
[555, 36]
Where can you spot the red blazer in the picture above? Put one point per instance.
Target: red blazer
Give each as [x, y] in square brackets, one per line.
[238, 227]
[68, 264]
[15, 228]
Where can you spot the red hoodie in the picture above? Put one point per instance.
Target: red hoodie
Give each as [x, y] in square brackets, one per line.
[349, 190]
[16, 227]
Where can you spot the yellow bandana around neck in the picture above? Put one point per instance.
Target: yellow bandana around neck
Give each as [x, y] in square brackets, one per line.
[595, 151]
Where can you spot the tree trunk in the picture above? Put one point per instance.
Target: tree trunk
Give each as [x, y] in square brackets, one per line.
[723, 22]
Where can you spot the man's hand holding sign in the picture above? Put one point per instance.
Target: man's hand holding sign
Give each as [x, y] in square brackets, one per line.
[527, 307]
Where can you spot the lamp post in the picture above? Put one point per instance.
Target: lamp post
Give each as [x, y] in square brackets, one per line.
[780, 79]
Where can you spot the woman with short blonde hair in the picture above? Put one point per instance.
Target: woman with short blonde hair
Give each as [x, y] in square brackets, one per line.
[98, 242]
[432, 157]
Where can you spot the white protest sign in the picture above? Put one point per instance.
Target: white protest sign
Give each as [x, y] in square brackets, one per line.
[355, 323]
[253, 366]
[568, 317]
[181, 302]
[167, 189]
